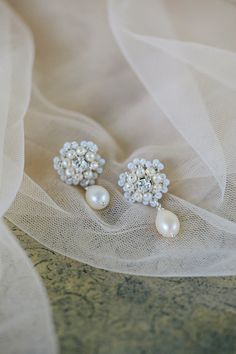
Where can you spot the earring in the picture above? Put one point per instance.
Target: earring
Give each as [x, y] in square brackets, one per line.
[144, 183]
[80, 164]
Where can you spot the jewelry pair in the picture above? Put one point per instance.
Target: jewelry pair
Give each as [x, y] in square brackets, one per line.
[143, 182]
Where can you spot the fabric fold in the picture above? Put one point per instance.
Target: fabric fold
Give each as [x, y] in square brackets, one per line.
[145, 79]
[25, 317]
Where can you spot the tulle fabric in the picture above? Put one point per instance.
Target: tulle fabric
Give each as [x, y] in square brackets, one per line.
[25, 319]
[152, 79]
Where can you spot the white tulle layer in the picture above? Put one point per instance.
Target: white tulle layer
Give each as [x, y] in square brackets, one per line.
[25, 319]
[153, 79]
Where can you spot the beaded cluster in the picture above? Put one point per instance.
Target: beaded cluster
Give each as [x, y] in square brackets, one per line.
[79, 163]
[144, 182]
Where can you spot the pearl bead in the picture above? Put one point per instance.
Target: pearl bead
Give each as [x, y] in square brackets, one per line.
[138, 197]
[132, 178]
[77, 178]
[94, 165]
[131, 166]
[71, 154]
[140, 172]
[156, 188]
[147, 197]
[100, 170]
[88, 174]
[97, 197]
[150, 171]
[90, 156]
[156, 179]
[66, 163]
[167, 223]
[102, 162]
[81, 150]
[69, 172]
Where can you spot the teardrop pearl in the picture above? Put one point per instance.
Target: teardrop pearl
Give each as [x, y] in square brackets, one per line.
[167, 223]
[97, 197]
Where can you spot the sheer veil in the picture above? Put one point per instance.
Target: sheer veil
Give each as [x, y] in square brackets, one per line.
[148, 79]
[26, 325]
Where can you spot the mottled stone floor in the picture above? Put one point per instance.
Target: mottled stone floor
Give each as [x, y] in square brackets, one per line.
[98, 312]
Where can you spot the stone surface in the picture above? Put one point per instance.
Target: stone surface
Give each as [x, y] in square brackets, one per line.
[98, 312]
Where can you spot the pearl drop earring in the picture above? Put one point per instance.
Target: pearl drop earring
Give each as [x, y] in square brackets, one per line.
[144, 183]
[80, 164]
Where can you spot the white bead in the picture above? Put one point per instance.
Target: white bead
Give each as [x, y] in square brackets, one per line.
[158, 195]
[88, 174]
[84, 183]
[94, 165]
[66, 163]
[93, 147]
[138, 197]
[99, 170]
[69, 172]
[136, 161]
[97, 197]
[148, 164]
[153, 203]
[156, 179]
[84, 143]
[69, 181]
[166, 182]
[156, 188]
[71, 154]
[67, 146]
[78, 177]
[56, 160]
[142, 162]
[121, 182]
[81, 150]
[155, 163]
[167, 223]
[151, 171]
[161, 166]
[102, 162]
[127, 187]
[90, 156]
[62, 152]
[140, 172]
[74, 145]
[132, 178]
[130, 166]
[164, 189]
[147, 197]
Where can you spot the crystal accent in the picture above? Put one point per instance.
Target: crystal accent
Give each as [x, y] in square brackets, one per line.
[143, 182]
[73, 167]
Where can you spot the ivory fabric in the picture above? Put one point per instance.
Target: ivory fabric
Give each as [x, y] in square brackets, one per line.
[25, 318]
[140, 78]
